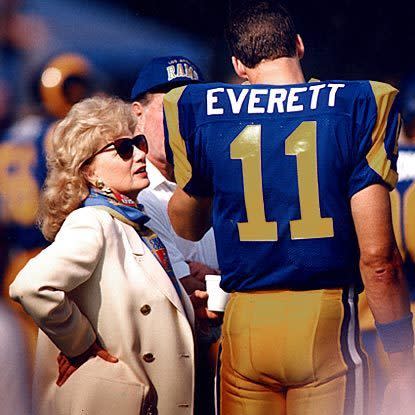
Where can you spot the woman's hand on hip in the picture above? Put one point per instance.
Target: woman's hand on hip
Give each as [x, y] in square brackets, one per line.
[68, 365]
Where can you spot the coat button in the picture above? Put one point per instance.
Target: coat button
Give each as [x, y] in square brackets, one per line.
[151, 410]
[145, 309]
[149, 357]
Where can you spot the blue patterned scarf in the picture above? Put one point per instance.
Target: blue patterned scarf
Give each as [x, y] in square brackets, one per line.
[126, 210]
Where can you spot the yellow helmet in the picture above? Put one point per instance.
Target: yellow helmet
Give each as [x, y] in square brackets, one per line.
[65, 80]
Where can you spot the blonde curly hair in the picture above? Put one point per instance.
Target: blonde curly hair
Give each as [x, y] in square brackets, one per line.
[88, 126]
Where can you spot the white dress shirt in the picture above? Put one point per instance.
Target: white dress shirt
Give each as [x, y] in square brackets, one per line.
[155, 199]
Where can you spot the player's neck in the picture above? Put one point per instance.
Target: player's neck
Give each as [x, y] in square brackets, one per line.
[282, 71]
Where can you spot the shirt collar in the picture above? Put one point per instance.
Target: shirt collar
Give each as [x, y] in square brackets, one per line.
[155, 176]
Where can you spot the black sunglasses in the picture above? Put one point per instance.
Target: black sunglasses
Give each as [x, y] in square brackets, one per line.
[125, 146]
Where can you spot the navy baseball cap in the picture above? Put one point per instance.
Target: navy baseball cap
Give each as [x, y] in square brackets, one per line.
[166, 72]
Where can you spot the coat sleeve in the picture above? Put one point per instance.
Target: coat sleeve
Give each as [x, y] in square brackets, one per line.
[42, 286]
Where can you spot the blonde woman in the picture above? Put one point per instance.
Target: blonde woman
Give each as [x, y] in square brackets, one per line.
[116, 330]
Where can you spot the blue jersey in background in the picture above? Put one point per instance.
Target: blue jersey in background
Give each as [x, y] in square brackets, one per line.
[23, 172]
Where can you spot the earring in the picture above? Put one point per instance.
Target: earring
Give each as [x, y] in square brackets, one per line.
[99, 184]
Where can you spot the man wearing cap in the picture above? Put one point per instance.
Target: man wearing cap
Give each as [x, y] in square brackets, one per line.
[191, 261]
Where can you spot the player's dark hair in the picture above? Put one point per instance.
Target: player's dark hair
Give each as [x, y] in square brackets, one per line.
[260, 30]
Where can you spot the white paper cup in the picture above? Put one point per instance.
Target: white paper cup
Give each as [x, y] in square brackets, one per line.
[217, 297]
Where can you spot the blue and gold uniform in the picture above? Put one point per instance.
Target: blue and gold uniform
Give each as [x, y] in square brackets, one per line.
[22, 174]
[281, 164]
[23, 171]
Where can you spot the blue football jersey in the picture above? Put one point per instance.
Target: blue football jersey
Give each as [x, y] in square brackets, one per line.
[23, 172]
[403, 212]
[281, 163]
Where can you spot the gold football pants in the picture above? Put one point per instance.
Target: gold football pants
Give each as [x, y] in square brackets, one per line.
[292, 353]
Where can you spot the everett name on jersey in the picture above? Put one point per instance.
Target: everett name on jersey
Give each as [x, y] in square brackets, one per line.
[282, 163]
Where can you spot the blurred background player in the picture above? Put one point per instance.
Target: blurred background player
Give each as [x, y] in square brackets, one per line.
[63, 81]
[405, 203]
[295, 178]
[403, 215]
[191, 261]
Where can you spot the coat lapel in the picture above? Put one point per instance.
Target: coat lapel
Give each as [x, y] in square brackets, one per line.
[136, 244]
[155, 272]
[187, 304]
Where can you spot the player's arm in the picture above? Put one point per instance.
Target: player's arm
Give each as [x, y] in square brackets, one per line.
[189, 209]
[386, 291]
[374, 155]
[380, 261]
[374, 172]
[381, 269]
[190, 215]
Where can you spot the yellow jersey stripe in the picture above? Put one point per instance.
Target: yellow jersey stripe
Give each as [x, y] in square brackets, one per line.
[409, 222]
[377, 156]
[182, 167]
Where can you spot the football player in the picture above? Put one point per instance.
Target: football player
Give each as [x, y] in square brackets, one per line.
[295, 178]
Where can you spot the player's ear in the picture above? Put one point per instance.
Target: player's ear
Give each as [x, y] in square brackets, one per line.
[239, 68]
[299, 46]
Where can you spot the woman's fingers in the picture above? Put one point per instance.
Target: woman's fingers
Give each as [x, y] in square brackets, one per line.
[97, 350]
[63, 377]
[103, 354]
[63, 366]
[67, 365]
[62, 369]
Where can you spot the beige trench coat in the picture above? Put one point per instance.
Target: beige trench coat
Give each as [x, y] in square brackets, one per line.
[98, 279]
